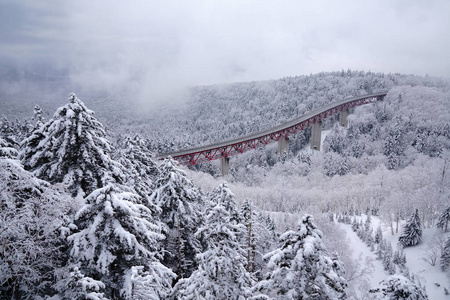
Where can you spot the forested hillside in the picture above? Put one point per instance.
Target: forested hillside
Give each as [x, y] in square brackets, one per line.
[87, 213]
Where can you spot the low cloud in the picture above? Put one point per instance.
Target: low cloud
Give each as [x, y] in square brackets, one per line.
[157, 48]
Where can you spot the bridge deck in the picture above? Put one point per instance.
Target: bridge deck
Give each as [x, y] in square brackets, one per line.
[221, 149]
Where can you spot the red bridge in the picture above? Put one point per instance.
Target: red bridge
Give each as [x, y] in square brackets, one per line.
[279, 133]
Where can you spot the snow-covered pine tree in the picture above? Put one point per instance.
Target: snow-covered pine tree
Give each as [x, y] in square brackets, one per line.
[399, 258]
[33, 215]
[223, 195]
[445, 256]
[266, 241]
[394, 144]
[7, 150]
[71, 148]
[387, 256]
[116, 233]
[250, 237]
[180, 203]
[399, 287]
[270, 224]
[75, 285]
[378, 235]
[443, 220]
[7, 133]
[37, 116]
[221, 272]
[141, 169]
[301, 267]
[412, 232]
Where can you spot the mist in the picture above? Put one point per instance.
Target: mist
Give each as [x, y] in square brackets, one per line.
[152, 51]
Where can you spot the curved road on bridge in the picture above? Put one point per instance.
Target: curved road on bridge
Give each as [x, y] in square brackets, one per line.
[254, 140]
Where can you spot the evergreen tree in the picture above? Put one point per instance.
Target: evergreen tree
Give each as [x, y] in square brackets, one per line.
[399, 258]
[33, 219]
[445, 256]
[37, 116]
[443, 219]
[71, 148]
[221, 273]
[180, 204]
[7, 150]
[141, 170]
[248, 219]
[387, 256]
[116, 233]
[301, 268]
[223, 195]
[378, 235]
[75, 285]
[412, 232]
[7, 133]
[399, 287]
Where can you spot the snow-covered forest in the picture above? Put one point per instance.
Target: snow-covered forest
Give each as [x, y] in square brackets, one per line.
[88, 213]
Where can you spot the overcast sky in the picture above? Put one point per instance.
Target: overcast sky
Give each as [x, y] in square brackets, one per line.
[159, 46]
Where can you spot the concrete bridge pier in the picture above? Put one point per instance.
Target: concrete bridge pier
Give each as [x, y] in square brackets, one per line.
[224, 165]
[343, 118]
[316, 134]
[283, 145]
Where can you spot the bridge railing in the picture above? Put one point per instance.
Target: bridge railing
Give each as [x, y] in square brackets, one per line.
[261, 138]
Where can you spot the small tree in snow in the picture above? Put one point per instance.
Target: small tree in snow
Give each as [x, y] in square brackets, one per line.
[412, 232]
[443, 220]
[37, 116]
[445, 256]
[221, 273]
[301, 268]
[378, 235]
[115, 234]
[71, 148]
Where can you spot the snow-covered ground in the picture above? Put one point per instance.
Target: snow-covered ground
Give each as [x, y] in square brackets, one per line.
[430, 276]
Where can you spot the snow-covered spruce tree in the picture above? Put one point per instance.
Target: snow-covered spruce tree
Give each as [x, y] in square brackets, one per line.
[7, 133]
[7, 150]
[445, 256]
[387, 257]
[71, 148]
[266, 241]
[221, 272]
[141, 169]
[116, 233]
[180, 204]
[37, 116]
[394, 144]
[76, 285]
[257, 238]
[378, 235]
[223, 195]
[32, 226]
[443, 220]
[412, 232]
[399, 287]
[301, 267]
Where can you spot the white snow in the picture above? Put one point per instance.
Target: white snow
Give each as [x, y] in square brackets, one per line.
[429, 276]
